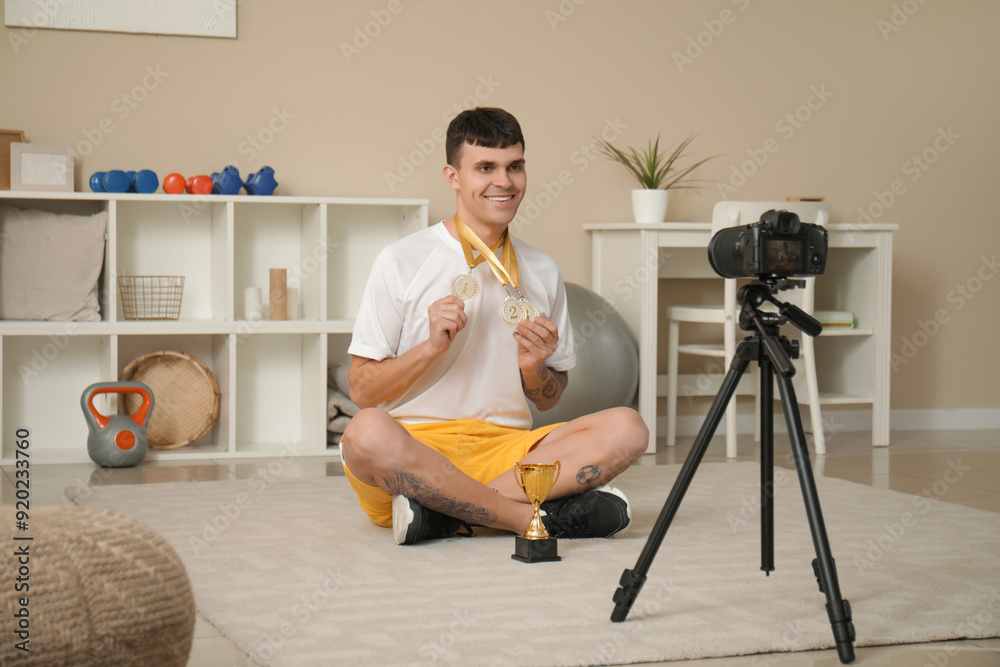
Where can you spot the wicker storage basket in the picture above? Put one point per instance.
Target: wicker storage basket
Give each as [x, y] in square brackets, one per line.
[186, 397]
[151, 297]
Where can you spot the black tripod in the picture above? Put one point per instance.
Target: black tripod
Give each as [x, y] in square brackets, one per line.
[772, 352]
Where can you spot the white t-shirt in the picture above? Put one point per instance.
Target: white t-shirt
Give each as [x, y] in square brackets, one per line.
[478, 376]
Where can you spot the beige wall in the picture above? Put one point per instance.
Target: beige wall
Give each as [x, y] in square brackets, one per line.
[335, 111]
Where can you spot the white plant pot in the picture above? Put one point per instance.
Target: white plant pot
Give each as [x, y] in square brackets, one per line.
[650, 205]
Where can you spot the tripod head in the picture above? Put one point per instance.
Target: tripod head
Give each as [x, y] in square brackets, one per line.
[765, 324]
[752, 296]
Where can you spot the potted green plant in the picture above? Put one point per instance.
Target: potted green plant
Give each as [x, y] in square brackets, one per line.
[657, 173]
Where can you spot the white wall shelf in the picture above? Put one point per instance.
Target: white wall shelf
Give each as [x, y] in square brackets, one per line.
[272, 374]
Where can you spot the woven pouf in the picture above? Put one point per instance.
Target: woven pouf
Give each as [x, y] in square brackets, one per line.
[104, 589]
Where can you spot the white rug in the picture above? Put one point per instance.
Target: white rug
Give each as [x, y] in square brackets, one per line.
[294, 574]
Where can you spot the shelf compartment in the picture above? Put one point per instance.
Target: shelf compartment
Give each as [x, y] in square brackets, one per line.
[357, 233]
[336, 349]
[280, 236]
[174, 238]
[213, 350]
[43, 380]
[847, 285]
[280, 393]
[73, 207]
[844, 370]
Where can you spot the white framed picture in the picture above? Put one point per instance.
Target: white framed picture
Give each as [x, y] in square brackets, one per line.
[199, 18]
[46, 167]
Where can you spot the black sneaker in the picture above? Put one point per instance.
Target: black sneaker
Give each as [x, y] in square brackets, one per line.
[601, 512]
[412, 522]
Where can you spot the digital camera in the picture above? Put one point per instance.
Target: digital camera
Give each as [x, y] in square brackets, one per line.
[777, 246]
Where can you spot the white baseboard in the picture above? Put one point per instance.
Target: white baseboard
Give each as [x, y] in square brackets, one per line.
[855, 420]
[940, 420]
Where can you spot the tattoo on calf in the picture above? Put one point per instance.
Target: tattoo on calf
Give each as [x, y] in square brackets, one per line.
[400, 483]
[588, 475]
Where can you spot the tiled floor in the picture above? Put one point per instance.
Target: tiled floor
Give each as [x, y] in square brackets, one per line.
[960, 467]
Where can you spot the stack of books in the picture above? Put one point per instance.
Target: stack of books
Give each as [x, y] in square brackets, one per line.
[835, 319]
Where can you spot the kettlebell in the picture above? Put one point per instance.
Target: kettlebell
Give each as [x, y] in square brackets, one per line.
[118, 441]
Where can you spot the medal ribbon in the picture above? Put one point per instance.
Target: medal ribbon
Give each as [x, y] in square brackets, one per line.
[505, 269]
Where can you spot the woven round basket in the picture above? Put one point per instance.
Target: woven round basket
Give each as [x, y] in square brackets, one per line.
[186, 397]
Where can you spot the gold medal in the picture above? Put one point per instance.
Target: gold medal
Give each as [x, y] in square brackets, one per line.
[514, 309]
[465, 286]
[511, 312]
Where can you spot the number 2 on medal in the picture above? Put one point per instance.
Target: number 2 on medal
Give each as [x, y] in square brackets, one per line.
[512, 312]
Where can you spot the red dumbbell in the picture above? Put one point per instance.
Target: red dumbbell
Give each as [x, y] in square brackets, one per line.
[173, 184]
[199, 185]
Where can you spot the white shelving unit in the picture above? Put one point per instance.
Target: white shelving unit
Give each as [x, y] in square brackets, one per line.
[852, 365]
[272, 375]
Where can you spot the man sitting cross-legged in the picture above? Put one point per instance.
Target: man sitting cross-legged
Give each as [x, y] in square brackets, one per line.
[458, 328]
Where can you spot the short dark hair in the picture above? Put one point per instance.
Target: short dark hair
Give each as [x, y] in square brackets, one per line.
[483, 126]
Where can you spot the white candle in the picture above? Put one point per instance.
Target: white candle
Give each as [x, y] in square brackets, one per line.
[292, 299]
[253, 307]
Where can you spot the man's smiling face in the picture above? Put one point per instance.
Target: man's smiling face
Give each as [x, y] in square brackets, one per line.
[490, 183]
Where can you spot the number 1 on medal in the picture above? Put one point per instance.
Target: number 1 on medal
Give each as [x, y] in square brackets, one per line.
[465, 286]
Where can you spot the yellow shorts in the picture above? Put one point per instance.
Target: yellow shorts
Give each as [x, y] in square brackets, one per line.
[478, 448]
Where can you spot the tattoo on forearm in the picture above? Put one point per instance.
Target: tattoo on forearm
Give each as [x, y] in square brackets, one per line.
[553, 382]
[588, 475]
[400, 483]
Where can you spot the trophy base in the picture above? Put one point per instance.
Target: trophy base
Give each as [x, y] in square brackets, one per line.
[535, 551]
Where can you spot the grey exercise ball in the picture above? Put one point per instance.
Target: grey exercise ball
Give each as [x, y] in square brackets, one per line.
[606, 374]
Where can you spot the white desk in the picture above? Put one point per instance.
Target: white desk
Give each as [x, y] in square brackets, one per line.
[853, 366]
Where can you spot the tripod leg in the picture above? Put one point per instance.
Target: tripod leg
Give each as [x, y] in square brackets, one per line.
[837, 608]
[632, 580]
[766, 465]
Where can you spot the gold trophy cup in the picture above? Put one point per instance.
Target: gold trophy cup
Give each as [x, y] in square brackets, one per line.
[536, 480]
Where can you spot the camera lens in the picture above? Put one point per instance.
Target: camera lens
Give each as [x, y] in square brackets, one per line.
[725, 252]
